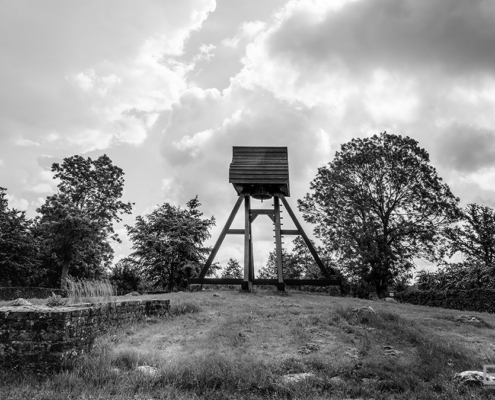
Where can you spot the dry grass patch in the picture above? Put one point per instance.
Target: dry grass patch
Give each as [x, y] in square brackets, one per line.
[88, 291]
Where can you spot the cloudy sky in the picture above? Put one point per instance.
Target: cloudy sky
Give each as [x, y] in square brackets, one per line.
[165, 88]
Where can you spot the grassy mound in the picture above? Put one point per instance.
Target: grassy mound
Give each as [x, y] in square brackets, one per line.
[238, 346]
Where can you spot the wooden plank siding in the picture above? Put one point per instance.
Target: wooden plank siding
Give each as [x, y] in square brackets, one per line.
[253, 168]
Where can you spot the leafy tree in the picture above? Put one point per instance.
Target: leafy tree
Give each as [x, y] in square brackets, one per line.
[303, 257]
[18, 248]
[310, 270]
[233, 270]
[76, 223]
[215, 267]
[449, 277]
[378, 205]
[292, 269]
[126, 276]
[433, 280]
[402, 281]
[269, 271]
[474, 238]
[168, 243]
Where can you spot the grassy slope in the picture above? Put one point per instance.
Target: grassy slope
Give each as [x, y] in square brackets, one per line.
[240, 345]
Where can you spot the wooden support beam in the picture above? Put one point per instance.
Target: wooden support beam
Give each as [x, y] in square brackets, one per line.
[313, 282]
[251, 256]
[278, 242]
[256, 212]
[215, 281]
[221, 237]
[274, 282]
[235, 232]
[299, 282]
[290, 232]
[261, 211]
[247, 285]
[305, 237]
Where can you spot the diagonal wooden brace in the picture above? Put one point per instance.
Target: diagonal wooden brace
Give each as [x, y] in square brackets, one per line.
[221, 237]
[305, 237]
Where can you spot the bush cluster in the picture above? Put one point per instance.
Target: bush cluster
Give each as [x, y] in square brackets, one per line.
[481, 300]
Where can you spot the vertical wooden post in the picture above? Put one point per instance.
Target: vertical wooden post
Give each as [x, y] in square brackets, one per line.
[278, 243]
[247, 285]
[251, 257]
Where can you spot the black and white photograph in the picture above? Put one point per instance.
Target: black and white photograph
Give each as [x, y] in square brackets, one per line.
[233, 199]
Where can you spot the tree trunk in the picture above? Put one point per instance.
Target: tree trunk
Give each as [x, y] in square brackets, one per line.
[65, 272]
[171, 279]
[381, 288]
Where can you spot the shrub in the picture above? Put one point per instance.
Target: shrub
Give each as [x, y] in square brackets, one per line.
[56, 300]
[481, 300]
[126, 277]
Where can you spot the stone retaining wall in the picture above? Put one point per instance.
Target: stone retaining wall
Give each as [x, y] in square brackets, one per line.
[41, 338]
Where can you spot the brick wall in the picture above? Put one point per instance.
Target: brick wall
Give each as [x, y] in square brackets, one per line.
[42, 338]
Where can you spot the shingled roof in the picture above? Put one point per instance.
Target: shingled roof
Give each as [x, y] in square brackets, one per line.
[260, 168]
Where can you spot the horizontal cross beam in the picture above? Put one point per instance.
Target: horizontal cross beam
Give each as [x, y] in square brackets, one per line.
[236, 231]
[255, 212]
[262, 211]
[215, 281]
[289, 282]
[290, 232]
[300, 282]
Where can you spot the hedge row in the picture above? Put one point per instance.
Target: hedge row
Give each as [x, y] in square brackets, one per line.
[481, 300]
[12, 293]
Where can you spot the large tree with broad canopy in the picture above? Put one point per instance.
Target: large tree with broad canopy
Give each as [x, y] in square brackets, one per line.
[379, 205]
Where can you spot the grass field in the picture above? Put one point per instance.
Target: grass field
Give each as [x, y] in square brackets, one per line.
[243, 346]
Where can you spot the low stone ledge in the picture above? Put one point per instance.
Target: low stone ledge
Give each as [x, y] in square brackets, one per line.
[41, 338]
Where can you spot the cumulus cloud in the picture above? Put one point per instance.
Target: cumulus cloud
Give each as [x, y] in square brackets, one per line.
[26, 142]
[484, 178]
[205, 52]
[378, 61]
[17, 203]
[247, 31]
[115, 59]
[44, 188]
[453, 35]
[466, 148]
